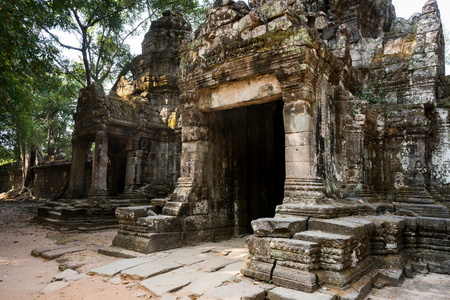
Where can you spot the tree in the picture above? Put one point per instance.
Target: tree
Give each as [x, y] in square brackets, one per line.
[26, 67]
[102, 28]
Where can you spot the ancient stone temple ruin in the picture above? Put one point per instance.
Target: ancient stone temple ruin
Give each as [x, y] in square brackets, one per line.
[320, 126]
[134, 133]
[323, 128]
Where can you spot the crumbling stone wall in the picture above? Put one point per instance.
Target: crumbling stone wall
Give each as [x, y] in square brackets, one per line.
[10, 177]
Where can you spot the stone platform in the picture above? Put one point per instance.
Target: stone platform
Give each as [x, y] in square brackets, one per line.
[79, 214]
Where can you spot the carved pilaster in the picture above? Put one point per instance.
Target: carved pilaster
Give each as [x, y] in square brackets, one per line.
[302, 185]
[98, 194]
[76, 185]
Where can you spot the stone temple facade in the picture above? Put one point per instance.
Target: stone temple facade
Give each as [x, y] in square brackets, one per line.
[134, 133]
[320, 126]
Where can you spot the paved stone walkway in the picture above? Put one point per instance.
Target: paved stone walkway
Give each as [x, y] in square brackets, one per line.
[208, 271]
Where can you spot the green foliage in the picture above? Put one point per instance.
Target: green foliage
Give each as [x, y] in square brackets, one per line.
[26, 70]
[102, 28]
[373, 93]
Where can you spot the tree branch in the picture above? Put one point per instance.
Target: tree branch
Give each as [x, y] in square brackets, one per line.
[93, 22]
[70, 73]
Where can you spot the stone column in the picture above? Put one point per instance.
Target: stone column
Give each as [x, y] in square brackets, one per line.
[302, 185]
[98, 194]
[132, 172]
[76, 185]
[193, 155]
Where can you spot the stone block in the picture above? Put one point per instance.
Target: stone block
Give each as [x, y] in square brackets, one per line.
[280, 227]
[343, 278]
[324, 239]
[52, 254]
[294, 279]
[64, 274]
[259, 245]
[389, 277]
[155, 224]
[257, 269]
[419, 267]
[154, 242]
[54, 286]
[341, 226]
[439, 267]
[132, 213]
[432, 225]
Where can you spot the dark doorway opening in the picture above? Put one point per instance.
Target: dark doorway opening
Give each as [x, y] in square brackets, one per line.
[116, 166]
[266, 160]
[248, 163]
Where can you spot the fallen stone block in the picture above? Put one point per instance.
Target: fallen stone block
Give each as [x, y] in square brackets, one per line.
[52, 254]
[280, 293]
[118, 266]
[294, 279]
[76, 277]
[388, 277]
[54, 286]
[64, 274]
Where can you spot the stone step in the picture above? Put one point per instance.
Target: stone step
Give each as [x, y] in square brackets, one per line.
[175, 208]
[279, 226]
[356, 228]
[294, 279]
[134, 212]
[325, 239]
[422, 210]
[389, 277]
[298, 254]
[54, 214]
[160, 202]
[157, 224]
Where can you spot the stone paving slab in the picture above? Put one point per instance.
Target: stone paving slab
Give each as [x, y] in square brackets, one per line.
[201, 283]
[168, 282]
[118, 266]
[235, 291]
[189, 256]
[280, 293]
[151, 269]
[213, 263]
[54, 286]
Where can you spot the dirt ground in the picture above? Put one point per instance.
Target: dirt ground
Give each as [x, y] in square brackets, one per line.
[23, 276]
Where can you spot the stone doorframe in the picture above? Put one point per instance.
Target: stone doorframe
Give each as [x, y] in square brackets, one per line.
[295, 87]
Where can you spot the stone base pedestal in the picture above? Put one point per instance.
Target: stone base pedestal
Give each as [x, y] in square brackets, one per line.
[99, 198]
